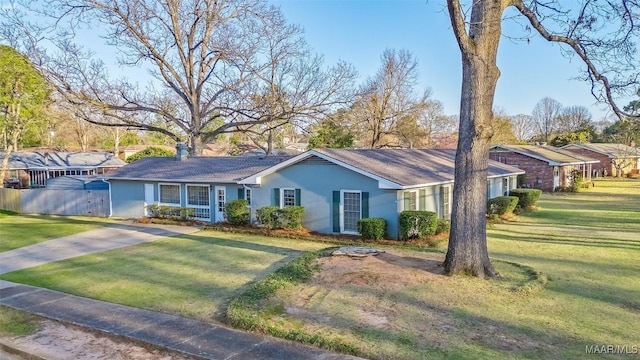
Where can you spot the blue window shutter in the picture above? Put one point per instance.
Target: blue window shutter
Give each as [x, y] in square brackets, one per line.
[365, 205]
[276, 196]
[240, 193]
[298, 197]
[423, 199]
[336, 211]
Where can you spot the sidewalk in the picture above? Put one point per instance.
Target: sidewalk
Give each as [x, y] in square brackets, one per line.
[192, 337]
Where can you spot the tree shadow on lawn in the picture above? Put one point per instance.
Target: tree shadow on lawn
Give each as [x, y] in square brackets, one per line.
[70, 219]
[587, 220]
[569, 279]
[221, 310]
[568, 238]
[430, 265]
[500, 334]
[590, 200]
[451, 331]
[167, 267]
[226, 242]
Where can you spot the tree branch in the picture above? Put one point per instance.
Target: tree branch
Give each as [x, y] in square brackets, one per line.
[593, 73]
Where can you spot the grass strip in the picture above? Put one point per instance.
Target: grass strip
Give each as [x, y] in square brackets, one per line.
[245, 311]
[16, 322]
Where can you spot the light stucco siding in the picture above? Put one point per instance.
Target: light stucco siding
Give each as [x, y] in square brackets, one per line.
[317, 182]
[127, 199]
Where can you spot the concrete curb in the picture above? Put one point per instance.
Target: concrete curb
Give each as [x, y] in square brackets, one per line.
[11, 349]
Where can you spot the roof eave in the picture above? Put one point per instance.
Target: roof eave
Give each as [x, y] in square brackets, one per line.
[179, 180]
[506, 174]
[406, 187]
[540, 157]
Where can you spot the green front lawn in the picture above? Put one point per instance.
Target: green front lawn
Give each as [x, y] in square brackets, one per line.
[587, 245]
[18, 230]
[192, 275]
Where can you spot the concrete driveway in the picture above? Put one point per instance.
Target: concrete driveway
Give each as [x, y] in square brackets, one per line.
[112, 236]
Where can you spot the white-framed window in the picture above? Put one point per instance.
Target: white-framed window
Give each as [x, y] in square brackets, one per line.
[288, 197]
[411, 200]
[351, 206]
[198, 200]
[445, 201]
[169, 194]
[247, 195]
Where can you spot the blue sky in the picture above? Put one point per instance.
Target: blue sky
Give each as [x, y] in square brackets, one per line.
[358, 31]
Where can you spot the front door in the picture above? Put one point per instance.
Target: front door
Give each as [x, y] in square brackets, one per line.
[149, 198]
[556, 177]
[221, 200]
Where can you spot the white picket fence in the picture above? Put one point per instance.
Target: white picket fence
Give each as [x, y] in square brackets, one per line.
[56, 202]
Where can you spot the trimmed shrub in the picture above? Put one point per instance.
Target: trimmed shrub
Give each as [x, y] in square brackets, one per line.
[526, 197]
[268, 216]
[502, 205]
[417, 224]
[291, 217]
[237, 212]
[444, 226]
[274, 217]
[170, 212]
[372, 228]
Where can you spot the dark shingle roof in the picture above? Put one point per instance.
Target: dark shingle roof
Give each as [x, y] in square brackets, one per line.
[550, 154]
[405, 167]
[409, 167]
[192, 169]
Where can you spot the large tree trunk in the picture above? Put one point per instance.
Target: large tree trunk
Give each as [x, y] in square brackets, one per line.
[467, 251]
[197, 145]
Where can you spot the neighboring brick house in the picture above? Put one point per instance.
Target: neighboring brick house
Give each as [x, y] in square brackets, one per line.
[612, 157]
[546, 167]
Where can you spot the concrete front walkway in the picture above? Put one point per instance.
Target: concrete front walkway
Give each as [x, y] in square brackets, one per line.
[196, 338]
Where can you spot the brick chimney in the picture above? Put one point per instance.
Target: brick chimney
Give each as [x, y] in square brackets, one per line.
[182, 151]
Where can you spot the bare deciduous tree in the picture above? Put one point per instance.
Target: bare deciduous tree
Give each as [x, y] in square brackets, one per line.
[387, 98]
[574, 118]
[524, 127]
[545, 115]
[601, 34]
[435, 123]
[208, 59]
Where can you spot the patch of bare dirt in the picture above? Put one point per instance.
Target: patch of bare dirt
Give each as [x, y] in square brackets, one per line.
[57, 341]
[388, 269]
[392, 270]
